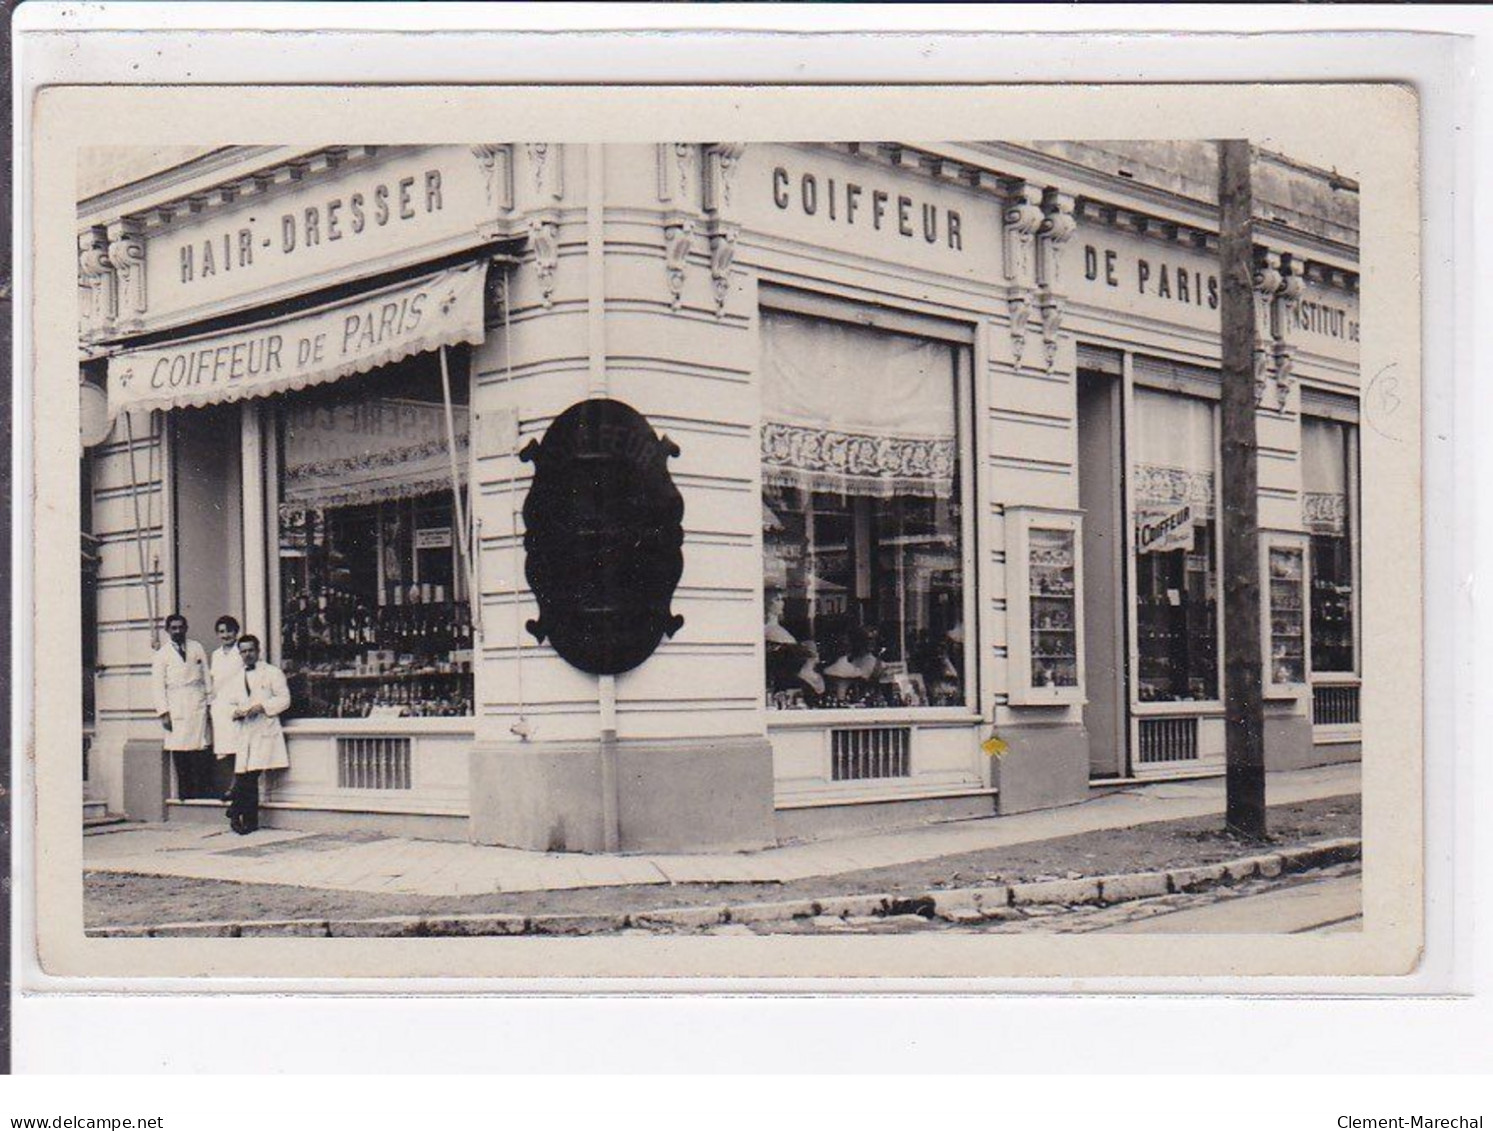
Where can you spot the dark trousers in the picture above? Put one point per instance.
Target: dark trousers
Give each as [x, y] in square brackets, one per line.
[221, 777]
[243, 809]
[194, 774]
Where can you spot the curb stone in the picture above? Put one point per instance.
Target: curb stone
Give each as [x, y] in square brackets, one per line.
[855, 912]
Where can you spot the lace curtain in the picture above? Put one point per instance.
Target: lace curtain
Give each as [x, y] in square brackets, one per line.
[855, 411]
[1324, 476]
[1174, 453]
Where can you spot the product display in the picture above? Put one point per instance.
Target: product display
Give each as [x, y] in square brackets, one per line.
[1177, 623]
[1332, 605]
[1054, 621]
[1287, 660]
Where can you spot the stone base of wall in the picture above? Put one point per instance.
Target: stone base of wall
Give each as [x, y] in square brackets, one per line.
[1288, 743]
[146, 770]
[826, 822]
[698, 795]
[1045, 766]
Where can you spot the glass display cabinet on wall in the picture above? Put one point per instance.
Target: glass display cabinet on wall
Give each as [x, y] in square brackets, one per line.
[374, 614]
[1283, 591]
[1044, 569]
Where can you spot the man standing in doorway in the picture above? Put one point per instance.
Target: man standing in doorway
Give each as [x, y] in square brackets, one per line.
[179, 681]
[227, 670]
[264, 697]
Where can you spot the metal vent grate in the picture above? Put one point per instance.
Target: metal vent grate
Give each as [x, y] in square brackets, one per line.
[373, 763]
[1335, 705]
[870, 752]
[1168, 740]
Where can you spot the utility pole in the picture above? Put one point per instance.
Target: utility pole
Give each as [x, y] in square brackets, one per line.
[1239, 517]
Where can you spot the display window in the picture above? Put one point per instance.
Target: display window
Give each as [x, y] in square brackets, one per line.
[863, 517]
[374, 615]
[1176, 548]
[1329, 461]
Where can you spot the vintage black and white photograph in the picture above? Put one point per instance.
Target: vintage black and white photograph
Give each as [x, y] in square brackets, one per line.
[649, 540]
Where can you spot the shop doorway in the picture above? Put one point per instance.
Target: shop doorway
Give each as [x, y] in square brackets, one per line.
[207, 509]
[1101, 496]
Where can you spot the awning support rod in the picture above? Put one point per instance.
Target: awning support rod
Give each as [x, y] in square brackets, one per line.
[464, 535]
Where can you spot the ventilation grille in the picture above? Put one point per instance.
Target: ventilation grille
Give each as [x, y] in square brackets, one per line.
[1168, 740]
[1335, 705]
[373, 763]
[870, 752]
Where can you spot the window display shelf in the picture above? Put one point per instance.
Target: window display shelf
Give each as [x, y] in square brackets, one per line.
[1043, 572]
[1284, 616]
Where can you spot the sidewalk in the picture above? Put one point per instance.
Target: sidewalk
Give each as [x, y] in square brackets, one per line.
[373, 864]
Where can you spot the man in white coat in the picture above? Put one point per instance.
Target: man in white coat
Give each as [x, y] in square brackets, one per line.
[227, 665]
[179, 682]
[257, 707]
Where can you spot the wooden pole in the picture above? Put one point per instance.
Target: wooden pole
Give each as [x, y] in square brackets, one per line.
[1239, 516]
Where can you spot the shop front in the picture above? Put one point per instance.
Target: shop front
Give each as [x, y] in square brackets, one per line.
[942, 423]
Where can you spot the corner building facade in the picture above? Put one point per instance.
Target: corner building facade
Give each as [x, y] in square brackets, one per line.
[947, 420]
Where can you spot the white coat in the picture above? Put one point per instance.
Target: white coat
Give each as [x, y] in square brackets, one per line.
[227, 667]
[179, 682]
[260, 740]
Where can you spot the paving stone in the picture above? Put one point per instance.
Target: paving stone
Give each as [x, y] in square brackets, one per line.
[827, 922]
[465, 926]
[1137, 885]
[772, 912]
[848, 905]
[296, 928]
[1267, 865]
[1198, 876]
[1242, 869]
[732, 930]
[681, 917]
[964, 915]
[118, 932]
[390, 927]
[1056, 891]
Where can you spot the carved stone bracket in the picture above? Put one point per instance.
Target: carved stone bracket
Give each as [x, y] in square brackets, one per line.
[544, 238]
[127, 256]
[675, 162]
[1023, 216]
[496, 163]
[679, 233]
[1019, 303]
[546, 166]
[722, 253]
[96, 275]
[1052, 323]
[1266, 286]
[721, 161]
[1058, 226]
[1282, 319]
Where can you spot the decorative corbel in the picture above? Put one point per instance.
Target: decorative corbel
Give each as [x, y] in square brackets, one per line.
[1023, 216]
[1282, 318]
[679, 233]
[1052, 323]
[547, 167]
[1019, 303]
[544, 238]
[496, 163]
[721, 161]
[1266, 285]
[1058, 226]
[722, 253]
[97, 276]
[127, 256]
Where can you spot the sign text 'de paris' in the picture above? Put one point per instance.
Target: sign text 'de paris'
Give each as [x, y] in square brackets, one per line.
[1171, 282]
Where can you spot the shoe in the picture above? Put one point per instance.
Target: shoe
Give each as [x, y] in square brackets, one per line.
[227, 798]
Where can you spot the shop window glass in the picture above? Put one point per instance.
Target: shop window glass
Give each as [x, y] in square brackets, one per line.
[374, 619]
[1327, 464]
[1176, 554]
[861, 517]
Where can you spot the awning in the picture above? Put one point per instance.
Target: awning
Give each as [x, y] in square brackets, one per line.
[355, 335]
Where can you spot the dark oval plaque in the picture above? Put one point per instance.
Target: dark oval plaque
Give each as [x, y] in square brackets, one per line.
[603, 537]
